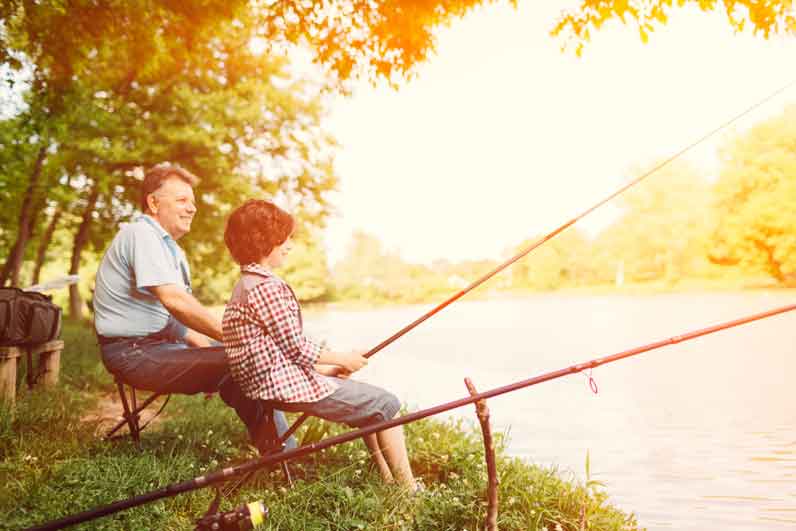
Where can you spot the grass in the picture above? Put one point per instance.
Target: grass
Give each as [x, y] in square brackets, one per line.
[54, 464]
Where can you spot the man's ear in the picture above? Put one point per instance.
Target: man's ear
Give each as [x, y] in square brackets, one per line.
[152, 203]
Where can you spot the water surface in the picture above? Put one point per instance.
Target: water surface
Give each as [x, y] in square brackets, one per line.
[696, 436]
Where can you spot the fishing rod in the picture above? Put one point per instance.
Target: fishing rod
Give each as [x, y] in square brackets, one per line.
[571, 222]
[464, 291]
[250, 466]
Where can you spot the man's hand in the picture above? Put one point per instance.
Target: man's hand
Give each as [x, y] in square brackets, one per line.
[195, 339]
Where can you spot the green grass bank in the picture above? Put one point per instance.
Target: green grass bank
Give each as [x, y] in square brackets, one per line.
[53, 462]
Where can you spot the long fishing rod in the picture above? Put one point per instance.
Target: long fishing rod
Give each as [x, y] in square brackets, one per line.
[250, 466]
[571, 222]
[464, 291]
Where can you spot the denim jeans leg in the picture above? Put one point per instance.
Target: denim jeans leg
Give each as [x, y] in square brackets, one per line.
[177, 368]
[252, 412]
[281, 427]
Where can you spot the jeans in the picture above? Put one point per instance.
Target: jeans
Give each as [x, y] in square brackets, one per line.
[357, 404]
[167, 366]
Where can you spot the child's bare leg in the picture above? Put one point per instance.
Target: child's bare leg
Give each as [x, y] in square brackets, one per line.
[393, 447]
[378, 458]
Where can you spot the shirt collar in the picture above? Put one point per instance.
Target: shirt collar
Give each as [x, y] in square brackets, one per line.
[256, 269]
[154, 224]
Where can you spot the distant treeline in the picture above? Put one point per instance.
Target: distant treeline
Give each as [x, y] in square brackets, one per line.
[678, 226]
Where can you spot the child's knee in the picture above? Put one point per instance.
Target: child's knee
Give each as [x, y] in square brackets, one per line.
[391, 405]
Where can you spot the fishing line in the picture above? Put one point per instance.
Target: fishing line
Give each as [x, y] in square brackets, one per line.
[589, 210]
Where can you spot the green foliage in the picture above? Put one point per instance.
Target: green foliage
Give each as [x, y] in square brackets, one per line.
[306, 268]
[562, 261]
[104, 104]
[766, 18]
[380, 39]
[369, 273]
[754, 200]
[663, 231]
[111, 86]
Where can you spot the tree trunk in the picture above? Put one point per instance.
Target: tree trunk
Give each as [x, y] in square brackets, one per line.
[44, 243]
[81, 239]
[14, 261]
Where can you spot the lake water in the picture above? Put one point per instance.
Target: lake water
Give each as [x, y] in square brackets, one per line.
[695, 436]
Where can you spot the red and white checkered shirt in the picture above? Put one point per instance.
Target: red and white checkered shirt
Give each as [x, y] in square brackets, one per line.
[269, 356]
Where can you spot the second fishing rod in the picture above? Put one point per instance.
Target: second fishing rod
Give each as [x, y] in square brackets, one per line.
[249, 467]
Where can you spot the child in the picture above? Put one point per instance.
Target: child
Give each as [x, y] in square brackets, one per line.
[272, 360]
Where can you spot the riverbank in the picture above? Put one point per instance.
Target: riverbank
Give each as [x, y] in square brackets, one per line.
[54, 463]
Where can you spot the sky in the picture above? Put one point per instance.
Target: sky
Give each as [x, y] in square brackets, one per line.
[502, 137]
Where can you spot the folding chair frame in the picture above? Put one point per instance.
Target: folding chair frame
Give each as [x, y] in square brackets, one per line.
[132, 416]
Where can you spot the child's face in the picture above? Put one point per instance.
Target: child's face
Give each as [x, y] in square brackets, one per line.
[278, 254]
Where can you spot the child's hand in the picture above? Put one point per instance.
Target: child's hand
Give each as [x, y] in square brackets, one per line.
[352, 361]
[332, 370]
[342, 373]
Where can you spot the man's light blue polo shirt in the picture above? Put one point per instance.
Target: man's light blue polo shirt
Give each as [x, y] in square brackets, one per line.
[141, 255]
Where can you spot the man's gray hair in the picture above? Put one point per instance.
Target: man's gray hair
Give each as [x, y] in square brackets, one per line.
[157, 175]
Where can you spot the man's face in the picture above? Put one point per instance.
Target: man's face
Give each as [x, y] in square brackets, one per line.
[173, 206]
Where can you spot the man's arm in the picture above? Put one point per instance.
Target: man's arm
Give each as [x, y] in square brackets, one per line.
[188, 310]
[195, 339]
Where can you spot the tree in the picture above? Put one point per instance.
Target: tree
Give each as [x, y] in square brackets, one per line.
[560, 262]
[368, 272]
[765, 18]
[377, 38]
[663, 231]
[121, 84]
[306, 268]
[755, 195]
[237, 118]
[25, 142]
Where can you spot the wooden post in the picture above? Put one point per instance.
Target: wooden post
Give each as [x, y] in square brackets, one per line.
[8, 373]
[482, 411]
[49, 363]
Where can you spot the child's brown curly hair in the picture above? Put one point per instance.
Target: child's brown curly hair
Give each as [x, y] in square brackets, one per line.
[255, 228]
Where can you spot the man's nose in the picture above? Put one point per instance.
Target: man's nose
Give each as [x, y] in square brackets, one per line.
[191, 208]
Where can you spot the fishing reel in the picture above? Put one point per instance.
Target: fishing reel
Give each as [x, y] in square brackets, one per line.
[241, 518]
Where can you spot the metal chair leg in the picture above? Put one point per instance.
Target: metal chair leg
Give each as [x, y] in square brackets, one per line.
[130, 416]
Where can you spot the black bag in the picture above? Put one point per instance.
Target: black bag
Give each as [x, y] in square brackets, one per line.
[27, 317]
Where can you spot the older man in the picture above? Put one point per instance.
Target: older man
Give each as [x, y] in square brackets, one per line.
[153, 333]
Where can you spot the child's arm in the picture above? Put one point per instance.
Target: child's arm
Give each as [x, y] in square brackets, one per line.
[347, 361]
[275, 306]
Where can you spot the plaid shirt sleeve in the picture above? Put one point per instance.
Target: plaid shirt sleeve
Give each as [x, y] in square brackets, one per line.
[278, 310]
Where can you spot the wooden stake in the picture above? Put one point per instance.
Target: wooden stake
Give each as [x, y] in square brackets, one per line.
[49, 361]
[9, 357]
[482, 411]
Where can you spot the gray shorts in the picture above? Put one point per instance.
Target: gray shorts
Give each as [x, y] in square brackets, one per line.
[354, 403]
